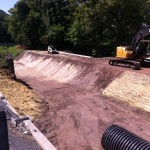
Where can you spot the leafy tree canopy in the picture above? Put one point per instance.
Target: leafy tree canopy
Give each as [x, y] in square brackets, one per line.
[82, 25]
[4, 36]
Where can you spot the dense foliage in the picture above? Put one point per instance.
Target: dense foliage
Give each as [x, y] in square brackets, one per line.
[83, 26]
[4, 36]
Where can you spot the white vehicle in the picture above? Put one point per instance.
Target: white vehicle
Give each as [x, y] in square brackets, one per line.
[52, 50]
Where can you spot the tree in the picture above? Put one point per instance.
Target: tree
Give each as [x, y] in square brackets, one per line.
[55, 16]
[24, 25]
[4, 36]
[109, 22]
[35, 23]
[89, 23]
[86, 25]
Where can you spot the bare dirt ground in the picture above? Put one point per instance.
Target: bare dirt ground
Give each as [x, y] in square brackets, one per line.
[75, 111]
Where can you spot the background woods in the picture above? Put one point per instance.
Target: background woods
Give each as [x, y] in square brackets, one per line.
[91, 27]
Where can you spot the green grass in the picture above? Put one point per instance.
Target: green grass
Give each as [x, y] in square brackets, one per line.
[10, 50]
[5, 51]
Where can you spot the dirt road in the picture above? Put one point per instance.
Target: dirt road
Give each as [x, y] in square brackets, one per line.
[75, 113]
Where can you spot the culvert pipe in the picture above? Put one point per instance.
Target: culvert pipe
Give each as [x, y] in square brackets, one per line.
[118, 138]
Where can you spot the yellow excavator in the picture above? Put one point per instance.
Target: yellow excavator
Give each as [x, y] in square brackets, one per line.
[137, 53]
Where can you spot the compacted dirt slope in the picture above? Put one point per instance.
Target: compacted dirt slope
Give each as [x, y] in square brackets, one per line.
[78, 100]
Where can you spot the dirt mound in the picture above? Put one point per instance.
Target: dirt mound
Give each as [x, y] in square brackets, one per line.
[19, 96]
[75, 113]
[87, 72]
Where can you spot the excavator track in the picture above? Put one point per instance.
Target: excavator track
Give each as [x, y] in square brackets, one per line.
[135, 65]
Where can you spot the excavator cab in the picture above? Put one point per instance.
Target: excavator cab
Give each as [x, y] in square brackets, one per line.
[145, 46]
[145, 52]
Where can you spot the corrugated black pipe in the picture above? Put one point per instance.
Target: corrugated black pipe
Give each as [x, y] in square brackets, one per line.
[118, 138]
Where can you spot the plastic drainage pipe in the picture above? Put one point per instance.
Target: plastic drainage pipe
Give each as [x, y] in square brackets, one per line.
[118, 138]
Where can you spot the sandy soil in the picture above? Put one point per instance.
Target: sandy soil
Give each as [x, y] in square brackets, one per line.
[23, 99]
[135, 90]
[75, 111]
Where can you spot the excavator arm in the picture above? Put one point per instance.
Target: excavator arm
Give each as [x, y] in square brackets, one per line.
[141, 35]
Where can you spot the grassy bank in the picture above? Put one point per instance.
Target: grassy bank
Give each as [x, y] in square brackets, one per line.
[8, 51]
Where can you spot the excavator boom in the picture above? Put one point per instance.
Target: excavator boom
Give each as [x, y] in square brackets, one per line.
[141, 35]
